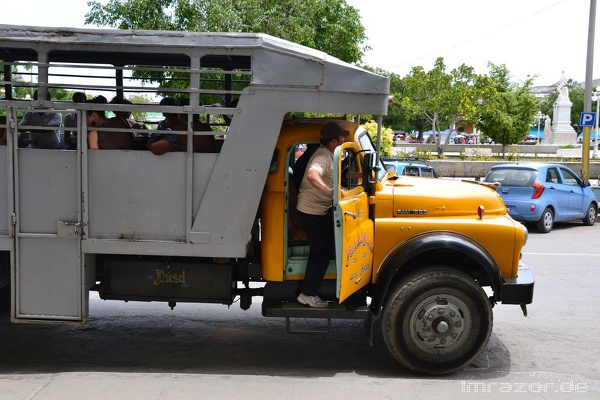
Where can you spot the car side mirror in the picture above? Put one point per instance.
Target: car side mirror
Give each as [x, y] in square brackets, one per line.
[586, 183]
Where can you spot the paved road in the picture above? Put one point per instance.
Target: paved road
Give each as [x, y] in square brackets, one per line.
[147, 351]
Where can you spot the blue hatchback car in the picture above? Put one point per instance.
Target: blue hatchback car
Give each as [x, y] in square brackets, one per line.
[544, 193]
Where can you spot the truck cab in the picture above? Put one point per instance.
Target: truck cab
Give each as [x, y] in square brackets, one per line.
[437, 242]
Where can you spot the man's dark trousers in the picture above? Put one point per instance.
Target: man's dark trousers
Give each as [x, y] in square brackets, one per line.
[321, 241]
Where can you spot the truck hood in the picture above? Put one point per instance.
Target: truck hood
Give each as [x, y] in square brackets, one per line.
[428, 197]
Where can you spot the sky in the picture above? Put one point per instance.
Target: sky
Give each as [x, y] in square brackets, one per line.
[531, 37]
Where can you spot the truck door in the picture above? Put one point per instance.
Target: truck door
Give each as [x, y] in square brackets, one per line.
[48, 264]
[354, 230]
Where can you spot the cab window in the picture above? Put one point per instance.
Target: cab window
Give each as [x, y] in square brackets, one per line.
[351, 172]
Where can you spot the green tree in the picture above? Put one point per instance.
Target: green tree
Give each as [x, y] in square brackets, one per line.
[396, 118]
[387, 140]
[61, 94]
[506, 110]
[139, 99]
[442, 99]
[331, 26]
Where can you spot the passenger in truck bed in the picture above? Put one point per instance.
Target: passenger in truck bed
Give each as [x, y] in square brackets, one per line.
[140, 139]
[98, 139]
[39, 138]
[171, 119]
[201, 143]
[71, 122]
[165, 142]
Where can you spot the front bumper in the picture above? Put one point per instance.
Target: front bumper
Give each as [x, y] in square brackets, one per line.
[519, 290]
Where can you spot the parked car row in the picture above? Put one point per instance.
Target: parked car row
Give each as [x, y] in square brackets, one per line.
[530, 139]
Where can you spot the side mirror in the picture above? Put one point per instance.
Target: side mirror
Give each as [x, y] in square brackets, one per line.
[367, 172]
[586, 183]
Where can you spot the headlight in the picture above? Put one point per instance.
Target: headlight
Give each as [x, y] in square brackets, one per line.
[525, 234]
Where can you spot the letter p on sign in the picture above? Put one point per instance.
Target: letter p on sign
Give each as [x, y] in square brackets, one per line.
[587, 119]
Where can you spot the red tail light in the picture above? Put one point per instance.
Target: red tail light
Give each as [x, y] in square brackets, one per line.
[538, 189]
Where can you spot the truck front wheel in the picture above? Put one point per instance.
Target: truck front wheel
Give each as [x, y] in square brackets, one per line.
[437, 320]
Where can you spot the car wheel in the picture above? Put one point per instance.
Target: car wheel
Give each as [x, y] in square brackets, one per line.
[437, 320]
[544, 225]
[590, 216]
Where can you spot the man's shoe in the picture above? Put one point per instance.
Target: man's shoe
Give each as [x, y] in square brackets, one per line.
[312, 301]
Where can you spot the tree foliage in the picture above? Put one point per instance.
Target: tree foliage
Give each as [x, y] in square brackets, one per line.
[396, 118]
[440, 98]
[506, 110]
[387, 140]
[331, 26]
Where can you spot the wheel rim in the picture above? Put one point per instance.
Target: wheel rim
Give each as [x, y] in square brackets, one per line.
[440, 324]
[548, 219]
[592, 214]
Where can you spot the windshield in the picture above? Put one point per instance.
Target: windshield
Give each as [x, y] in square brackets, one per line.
[366, 144]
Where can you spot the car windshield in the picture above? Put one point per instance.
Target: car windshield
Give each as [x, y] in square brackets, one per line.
[512, 176]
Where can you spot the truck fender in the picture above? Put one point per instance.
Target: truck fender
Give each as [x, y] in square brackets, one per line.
[404, 259]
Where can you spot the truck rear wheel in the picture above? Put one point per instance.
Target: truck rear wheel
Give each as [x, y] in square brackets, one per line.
[437, 320]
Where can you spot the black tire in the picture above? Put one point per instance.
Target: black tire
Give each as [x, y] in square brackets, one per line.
[546, 222]
[437, 321]
[590, 216]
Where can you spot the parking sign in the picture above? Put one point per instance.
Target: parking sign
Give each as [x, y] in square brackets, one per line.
[587, 119]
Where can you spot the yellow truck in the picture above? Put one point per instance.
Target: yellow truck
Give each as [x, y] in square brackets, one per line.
[425, 258]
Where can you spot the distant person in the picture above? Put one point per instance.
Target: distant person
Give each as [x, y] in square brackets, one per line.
[40, 138]
[71, 122]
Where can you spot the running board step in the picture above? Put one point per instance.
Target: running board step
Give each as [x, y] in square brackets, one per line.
[296, 310]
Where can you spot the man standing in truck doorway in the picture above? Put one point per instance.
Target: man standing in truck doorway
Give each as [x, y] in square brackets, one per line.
[315, 213]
